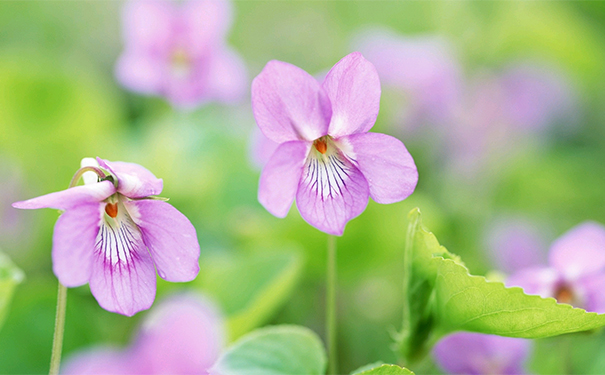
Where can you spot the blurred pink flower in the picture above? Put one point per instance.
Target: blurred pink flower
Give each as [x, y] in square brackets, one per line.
[481, 354]
[182, 335]
[326, 158]
[112, 236]
[576, 270]
[179, 51]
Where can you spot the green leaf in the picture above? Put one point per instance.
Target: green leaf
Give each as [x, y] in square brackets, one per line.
[250, 288]
[10, 277]
[385, 370]
[442, 297]
[277, 350]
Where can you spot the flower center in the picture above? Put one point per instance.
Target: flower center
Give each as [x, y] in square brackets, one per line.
[564, 294]
[111, 209]
[180, 63]
[321, 144]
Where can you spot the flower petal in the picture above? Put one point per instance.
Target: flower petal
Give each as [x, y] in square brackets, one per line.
[141, 72]
[332, 191]
[580, 251]
[204, 25]
[72, 197]
[477, 353]
[536, 280]
[170, 238]
[353, 87]
[591, 290]
[123, 277]
[148, 25]
[101, 360]
[182, 335]
[227, 79]
[134, 181]
[289, 104]
[261, 149]
[280, 177]
[74, 242]
[385, 163]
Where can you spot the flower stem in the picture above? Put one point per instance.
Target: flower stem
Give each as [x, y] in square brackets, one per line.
[331, 307]
[55, 358]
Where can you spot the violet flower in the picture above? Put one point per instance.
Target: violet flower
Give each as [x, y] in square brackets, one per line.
[182, 335]
[576, 270]
[179, 51]
[326, 158]
[481, 354]
[114, 235]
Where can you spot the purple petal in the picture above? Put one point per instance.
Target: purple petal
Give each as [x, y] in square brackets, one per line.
[280, 178]
[386, 164]
[476, 353]
[134, 181]
[141, 72]
[516, 244]
[203, 25]
[353, 87]
[580, 251]
[536, 280]
[148, 26]
[107, 361]
[227, 76]
[289, 104]
[69, 198]
[182, 335]
[123, 277]
[261, 148]
[74, 242]
[170, 237]
[332, 191]
[591, 289]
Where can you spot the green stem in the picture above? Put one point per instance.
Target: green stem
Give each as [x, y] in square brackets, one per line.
[55, 358]
[331, 307]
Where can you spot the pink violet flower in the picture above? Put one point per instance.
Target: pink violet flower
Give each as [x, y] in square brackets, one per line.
[326, 158]
[575, 273]
[179, 51]
[182, 335]
[113, 235]
[481, 354]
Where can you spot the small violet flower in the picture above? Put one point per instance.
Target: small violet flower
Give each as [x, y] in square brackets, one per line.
[113, 235]
[481, 354]
[179, 51]
[326, 158]
[182, 335]
[576, 270]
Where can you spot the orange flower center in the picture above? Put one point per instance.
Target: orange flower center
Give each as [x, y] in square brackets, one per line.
[321, 145]
[111, 209]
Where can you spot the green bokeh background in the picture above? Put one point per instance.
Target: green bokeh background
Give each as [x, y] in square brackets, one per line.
[59, 102]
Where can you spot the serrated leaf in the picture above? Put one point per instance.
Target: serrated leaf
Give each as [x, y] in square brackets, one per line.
[277, 350]
[10, 277]
[442, 297]
[385, 370]
[249, 288]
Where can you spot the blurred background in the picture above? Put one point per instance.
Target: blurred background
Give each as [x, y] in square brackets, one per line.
[499, 103]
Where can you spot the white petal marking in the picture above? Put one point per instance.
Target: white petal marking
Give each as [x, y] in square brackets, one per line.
[327, 175]
[119, 240]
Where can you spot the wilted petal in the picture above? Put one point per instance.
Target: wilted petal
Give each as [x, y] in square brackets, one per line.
[107, 361]
[141, 72]
[580, 251]
[332, 191]
[170, 237]
[353, 87]
[73, 242]
[66, 199]
[134, 181]
[148, 25]
[386, 164]
[280, 177]
[481, 354]
[289, 104]
[227, 76]
[536, 280]
[123, 277]
[182, 335]
[204, 24]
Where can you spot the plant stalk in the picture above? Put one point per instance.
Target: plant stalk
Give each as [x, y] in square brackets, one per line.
[331, 307]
